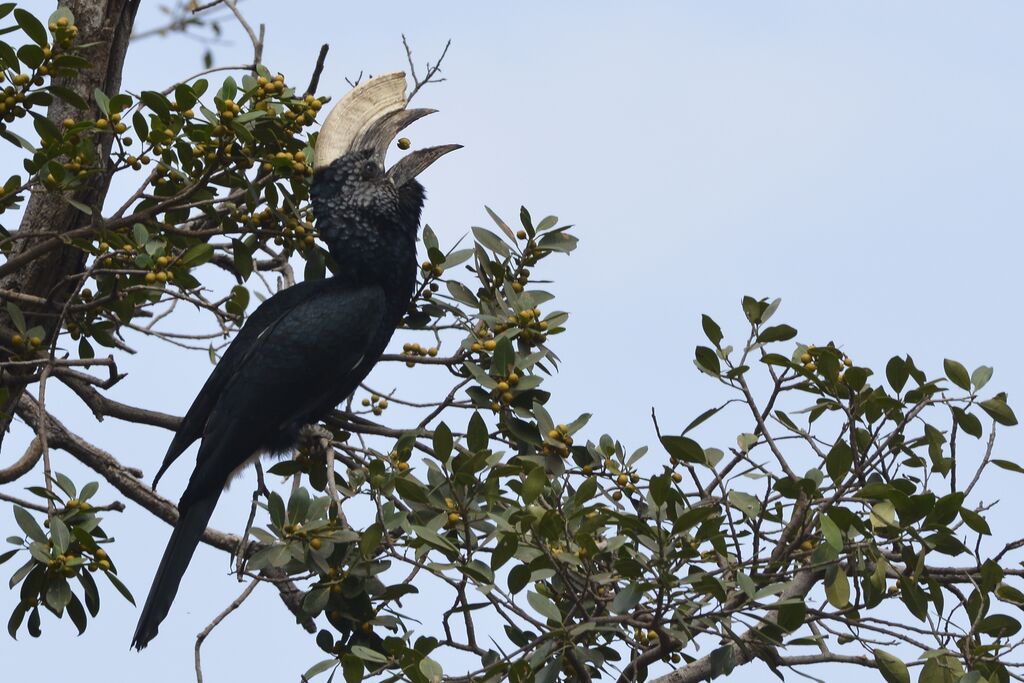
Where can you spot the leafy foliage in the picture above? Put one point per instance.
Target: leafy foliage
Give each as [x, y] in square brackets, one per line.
[845, 491]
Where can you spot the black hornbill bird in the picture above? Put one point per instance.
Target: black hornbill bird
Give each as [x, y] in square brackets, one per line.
[307, 348]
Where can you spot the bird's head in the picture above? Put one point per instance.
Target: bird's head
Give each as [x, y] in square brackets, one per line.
[350, 182]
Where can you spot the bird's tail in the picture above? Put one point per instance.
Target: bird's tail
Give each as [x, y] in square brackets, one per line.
[184, 539]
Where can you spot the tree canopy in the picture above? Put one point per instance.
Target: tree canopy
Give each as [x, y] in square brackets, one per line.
[844, 525]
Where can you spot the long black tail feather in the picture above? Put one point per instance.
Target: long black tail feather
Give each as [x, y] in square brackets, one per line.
[177, 556]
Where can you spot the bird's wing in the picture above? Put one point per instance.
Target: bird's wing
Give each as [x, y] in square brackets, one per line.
[264, 317]
[308, 361]
[302, 363]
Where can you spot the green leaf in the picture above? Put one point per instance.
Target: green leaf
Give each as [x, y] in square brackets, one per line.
[712, 330]
[352, 668]
[60, 535]
[321, 667]
[707, 360]
[58, 594]
[29, 525]
[544, 606]
[370, 540]
[838, 461]
[710, 412]
[238, 301]
[980, 377]
[242, 256]
[1008, 465]
[776, 334]
[535, 482]
[999, 626]
[504, 550]
[431, 669]
[897, 372]
[745, 503]
[442, 442]
[369, 655]
[684, 449]
[975, 521]
[491, 241]
[968, 422]
[84, 208]
[838, 592]
[102, 101]
[16, 317]
[893, 669]
[32, 27]
[476, 434]
[957, 374]
[626, 599]
[830, 530]
[941, 669]
[196, 255]
[998, 410]
[121, 588]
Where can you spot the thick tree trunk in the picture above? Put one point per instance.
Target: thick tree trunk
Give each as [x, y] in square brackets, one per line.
[106, 25]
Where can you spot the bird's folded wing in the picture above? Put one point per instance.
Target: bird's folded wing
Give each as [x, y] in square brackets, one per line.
[266, 315]
[306, 362]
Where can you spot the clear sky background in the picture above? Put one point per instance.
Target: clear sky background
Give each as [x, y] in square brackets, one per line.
[862, 161]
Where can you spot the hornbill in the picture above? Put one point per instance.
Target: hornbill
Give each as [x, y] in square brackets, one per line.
[307, 348]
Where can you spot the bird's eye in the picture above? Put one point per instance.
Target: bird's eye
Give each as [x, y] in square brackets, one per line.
[369, 170]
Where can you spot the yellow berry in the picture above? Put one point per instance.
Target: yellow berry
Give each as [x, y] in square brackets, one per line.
[403, 143]
[315, 543]
[490, 344]
[454, 517]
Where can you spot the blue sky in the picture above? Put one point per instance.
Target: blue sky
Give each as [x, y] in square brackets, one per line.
[862, 161]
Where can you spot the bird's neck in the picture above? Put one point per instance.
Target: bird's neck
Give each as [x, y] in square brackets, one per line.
[384, 256]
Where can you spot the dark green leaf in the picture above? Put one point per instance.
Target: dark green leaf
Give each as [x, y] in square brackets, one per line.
[534, 484]
[896, 372]
[29, 525]
[626, 599]
[442, 442]
[712, 330]
[891, 667]
[684, 449]
[998, 410]
[708, 360]
[776, 334]
[32, 27]
[957, 374]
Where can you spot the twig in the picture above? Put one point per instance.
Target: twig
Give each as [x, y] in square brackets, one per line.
[314, 80]
[257, 41]
[44, 445]
[235, 604]
[431, 70]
